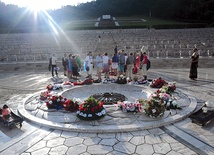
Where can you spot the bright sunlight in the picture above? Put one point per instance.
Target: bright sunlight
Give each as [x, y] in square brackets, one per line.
[37, 5]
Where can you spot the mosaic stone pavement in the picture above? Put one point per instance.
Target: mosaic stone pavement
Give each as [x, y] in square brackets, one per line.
[182, 137]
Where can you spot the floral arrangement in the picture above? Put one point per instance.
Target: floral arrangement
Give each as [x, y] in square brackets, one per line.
[68, 83]
[54, 86]
[71, 105]
[135, 78]
[85, 82]
[167, 88]
[91, 109]
[155, 106]
[44, 95]
[127, 106]
[158, 83]
[121, 79]
[160, 101]
[55, 102]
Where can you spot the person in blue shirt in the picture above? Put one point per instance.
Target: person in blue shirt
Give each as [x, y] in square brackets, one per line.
[115, 60]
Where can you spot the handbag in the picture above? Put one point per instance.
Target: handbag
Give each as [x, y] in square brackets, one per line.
[148, 64]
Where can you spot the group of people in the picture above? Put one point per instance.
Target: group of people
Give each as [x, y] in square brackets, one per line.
[119, 64]
[71, 65]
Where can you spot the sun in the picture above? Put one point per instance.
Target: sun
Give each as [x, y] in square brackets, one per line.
[38, 5]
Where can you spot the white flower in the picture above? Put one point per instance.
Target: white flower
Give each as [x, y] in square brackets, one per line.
[81, 114]
[50, 102]
[84, 115]
[168, 104]
[174, 102]
[99, 114]
[103, 112]
[58, 100]
[121, 76]
[89, 115]
[153, 110]
[154, 95]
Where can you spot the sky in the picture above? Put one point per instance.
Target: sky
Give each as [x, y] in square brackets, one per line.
[44, 4]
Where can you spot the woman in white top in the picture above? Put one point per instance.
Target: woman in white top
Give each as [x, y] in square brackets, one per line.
[106, 65]
[89, 63]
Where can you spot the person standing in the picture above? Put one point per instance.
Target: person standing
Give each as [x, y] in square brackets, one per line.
[121, 62]
[74, 67]
[79, 64]
[194, 64]
[70, 66]
[125, 66]
[115, 50]
[106, 65]
[144, 67]
[53, 65]
[115, 60]
[65, 64]
[89, 64]
[99, 65]
[130, 65]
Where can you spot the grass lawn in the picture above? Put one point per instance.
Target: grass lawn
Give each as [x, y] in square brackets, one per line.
[147, 22]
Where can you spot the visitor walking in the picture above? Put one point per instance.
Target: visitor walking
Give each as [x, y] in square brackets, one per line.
[194, 64]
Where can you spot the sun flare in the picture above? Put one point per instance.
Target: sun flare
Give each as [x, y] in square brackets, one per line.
[36, 6]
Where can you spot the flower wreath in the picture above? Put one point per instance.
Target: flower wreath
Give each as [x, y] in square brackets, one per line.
[121, 80]
[155, 107]
[158, 83]
[91, 109]
[71, 105]
[127, 106]
[44, 95]
[55, 102]
[54, 86]
[167, 88]
[160, 101]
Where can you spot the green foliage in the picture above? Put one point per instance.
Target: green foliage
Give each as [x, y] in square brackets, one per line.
[194, 11]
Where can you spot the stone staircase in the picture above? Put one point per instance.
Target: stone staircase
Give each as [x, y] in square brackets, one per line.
[106, 43]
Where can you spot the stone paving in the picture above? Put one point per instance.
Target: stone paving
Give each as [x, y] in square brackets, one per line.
[182, 137]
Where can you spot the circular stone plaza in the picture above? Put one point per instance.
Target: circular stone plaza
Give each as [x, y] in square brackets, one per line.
[24, 75]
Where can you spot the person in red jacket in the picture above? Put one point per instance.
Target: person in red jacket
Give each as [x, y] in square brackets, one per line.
[144, 67]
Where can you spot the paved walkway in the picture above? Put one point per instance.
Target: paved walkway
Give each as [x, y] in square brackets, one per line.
[183, 137]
